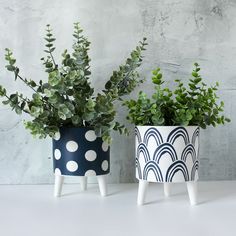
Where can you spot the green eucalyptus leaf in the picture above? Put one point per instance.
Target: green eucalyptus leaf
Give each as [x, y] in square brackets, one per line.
[67, 98]
[2, 91]
[195, 104]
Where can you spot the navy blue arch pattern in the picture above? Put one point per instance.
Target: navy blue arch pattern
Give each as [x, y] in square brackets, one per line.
[166, 146]
[79, 152]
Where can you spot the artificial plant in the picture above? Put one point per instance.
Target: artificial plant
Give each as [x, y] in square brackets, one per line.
[192, 104]
[67, 98]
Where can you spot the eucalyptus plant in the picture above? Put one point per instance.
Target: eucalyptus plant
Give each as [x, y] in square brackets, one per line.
[67, 99]
[194, 104]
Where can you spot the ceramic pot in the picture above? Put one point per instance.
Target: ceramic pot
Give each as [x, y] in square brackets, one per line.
[167, 154]
[79, 152]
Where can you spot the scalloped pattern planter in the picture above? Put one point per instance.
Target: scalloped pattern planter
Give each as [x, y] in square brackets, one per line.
[167, 154]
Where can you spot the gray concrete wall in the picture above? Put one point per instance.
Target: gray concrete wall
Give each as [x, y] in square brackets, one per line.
[179, 33]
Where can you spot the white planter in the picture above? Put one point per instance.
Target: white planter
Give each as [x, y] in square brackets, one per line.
[167, 154]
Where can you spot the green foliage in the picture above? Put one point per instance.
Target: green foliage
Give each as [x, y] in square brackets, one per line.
[67, 98]
[195, 104]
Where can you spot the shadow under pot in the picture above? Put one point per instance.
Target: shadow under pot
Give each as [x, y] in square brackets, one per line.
[167, 154]
[79, 152]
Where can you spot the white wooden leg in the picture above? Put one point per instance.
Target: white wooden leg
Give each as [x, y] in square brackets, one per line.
[192, 192]
[58, 185]
[102, 185]
[142, 189]
[83, 182]
[167, 189]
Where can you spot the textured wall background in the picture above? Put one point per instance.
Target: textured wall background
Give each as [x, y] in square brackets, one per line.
[179, 33]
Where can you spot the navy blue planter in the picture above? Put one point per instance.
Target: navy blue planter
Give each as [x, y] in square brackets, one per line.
[79, 152]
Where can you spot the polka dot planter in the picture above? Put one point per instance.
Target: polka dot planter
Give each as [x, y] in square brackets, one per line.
[167, 154]
[79, 152]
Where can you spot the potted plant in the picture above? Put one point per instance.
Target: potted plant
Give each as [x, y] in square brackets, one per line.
[66, 108]
[167, 131]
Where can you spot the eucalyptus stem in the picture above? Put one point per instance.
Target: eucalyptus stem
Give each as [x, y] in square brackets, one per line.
[195, 104]
[67, 97]
[26, 83]
[17, 103]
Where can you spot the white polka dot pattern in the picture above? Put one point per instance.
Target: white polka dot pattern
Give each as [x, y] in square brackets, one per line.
[105, 165]
[105, 146]
[71, 146]
[57, 136]
[79, 152]
[72, 166]
[90, 135]
[90, 155]
[57, 154]
[90, 173]
[57, 171]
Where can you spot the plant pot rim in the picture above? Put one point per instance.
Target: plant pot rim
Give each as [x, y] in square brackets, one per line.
[168, 126]
[77, 127]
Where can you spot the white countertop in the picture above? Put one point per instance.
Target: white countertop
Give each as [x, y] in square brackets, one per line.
[31, 210]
